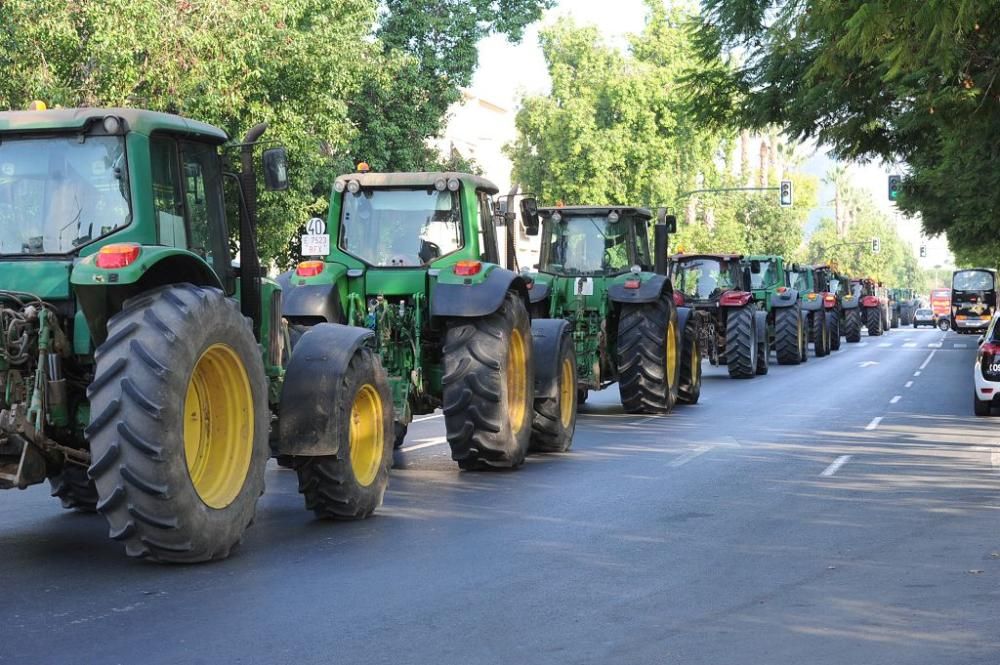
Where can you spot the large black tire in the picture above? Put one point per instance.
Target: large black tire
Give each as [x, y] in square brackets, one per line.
[648, 357]
[981, 408]
[74, 489]
[821, 339]
[833, 329]
[179, 424]
[894, 323]
[489, 387]
[581, 396]
[788, 335]
[806, 331]
[873, 320]
[852, 326]
[763, 354]
[689, 384]
[554, 418]
[398, 434]
[741, 342]
[351, 484]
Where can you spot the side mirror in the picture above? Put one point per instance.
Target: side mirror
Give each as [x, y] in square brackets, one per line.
[276, 169]
[667, 220]
[529, 215]
[755, 267]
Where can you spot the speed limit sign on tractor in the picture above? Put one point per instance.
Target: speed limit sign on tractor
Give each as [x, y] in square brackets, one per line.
[316, 241]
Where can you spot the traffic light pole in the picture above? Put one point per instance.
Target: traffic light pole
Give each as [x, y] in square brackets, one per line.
[717, 190]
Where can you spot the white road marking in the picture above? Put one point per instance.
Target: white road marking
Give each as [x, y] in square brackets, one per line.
[885, 345]
[420, 420]
[688, 456]
[909, 345]
[959, 346]
[837, 463]
[931, 355]
[436, 441]
[908, 384]
[868, 363]
[862, 344]
[995, 458]
[934, 345]
[916, 374]
[873, 424]
[895, 399]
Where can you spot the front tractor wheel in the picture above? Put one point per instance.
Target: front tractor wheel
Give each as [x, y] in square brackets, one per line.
[741, 342]
[873, 319]
[74, 489]
[489, 387]
[351, 484]
[179, 424]
[788, 335]
[648, 356]
[820, 334]
[555, 401]
[833, 328]
[852, 326]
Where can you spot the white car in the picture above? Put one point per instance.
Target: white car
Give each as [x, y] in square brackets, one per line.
[987, 370]
[924, 317]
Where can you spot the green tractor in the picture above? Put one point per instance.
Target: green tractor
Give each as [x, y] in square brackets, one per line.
[138, 362]
[413, 259]
[904, 304]
[787, 322]
[596, 271]
[731, 327]
[802, 280]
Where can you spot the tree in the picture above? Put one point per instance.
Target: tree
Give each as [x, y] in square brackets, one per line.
[231, 63]
[903, 81]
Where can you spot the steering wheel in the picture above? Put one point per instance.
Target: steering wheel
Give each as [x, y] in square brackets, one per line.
[429, 251]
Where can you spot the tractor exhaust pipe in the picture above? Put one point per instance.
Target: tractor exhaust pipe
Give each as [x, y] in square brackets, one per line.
[660, 237]
[249, 258]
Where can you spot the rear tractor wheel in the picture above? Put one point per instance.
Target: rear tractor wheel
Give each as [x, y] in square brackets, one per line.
[689, 387]
[873, 319]
[833, 329]
[648, 357]
[489, 387]
[788, 335]
[179, 424]
[75, 490]
[852, 326]
[821, 334]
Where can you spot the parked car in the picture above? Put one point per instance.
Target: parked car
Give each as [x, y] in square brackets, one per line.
[987, 370]
[924, 317]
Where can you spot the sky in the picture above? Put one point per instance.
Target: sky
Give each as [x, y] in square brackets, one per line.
[507, 72]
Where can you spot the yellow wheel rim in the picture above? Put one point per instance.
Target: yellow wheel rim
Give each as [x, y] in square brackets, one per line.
[567, 393]
[517, 380]
[218, 426]
[367, 438]
[671, 349]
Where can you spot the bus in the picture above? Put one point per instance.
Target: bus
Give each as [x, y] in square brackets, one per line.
[941, 303]
[973, 299]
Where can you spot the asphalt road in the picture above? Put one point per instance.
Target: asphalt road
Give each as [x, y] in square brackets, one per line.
[846, 511]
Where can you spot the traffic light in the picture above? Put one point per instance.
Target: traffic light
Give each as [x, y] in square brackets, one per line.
[923, 251]
[876, 245]
[894, 181]
[785, 198]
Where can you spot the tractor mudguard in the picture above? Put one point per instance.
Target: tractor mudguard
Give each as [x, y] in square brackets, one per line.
[786, 299]
[760, 320]
[850, 302]
[181, 264]
[649, 290]
[312, 378]
[813, 305]
[545, 337]
[683, 314]
[538, 292]
[476, 299]
[312, 301]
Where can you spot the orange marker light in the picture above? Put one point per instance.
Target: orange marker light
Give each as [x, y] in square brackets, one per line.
[468, 268]
[363, 167]
[309, 268]
[117, 255]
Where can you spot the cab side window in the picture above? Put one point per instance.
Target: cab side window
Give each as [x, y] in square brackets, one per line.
[204, 205]
[487, 235]
[168, 203]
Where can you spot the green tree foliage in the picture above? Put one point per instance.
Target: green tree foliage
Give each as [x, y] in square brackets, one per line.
[903, 81]
[232, 63]
[615, 130]
[425, 53]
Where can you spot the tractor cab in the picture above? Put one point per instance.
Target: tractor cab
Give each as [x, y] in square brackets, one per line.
[595, 241]
[702, 279]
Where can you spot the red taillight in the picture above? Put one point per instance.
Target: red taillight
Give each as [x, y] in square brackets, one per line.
[990, 349]
[468, 268]
[117, 255]
[986, 391]
[309, 268]
[782, 289]
[830, 298]
[678, 298]
[632, 283]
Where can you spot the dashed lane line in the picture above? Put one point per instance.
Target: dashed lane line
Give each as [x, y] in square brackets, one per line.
[895, 399]
[420, 420]
[917, 373]
[688, 456]
[929, 356]
[908, 384]
[873, 424]
[959, 346]
[835, 466]
[910, 345]
[436, 441]
[885, 345]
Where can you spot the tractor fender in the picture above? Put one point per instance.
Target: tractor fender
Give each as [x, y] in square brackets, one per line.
[312, 302]
[683, 316]
[546, 335]
[850, 302]
[538, 292]
[312, 379]
[813, 305]
[785, 299]
[870, 301]
[480, 298]
[760, 320]
[649, 290]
